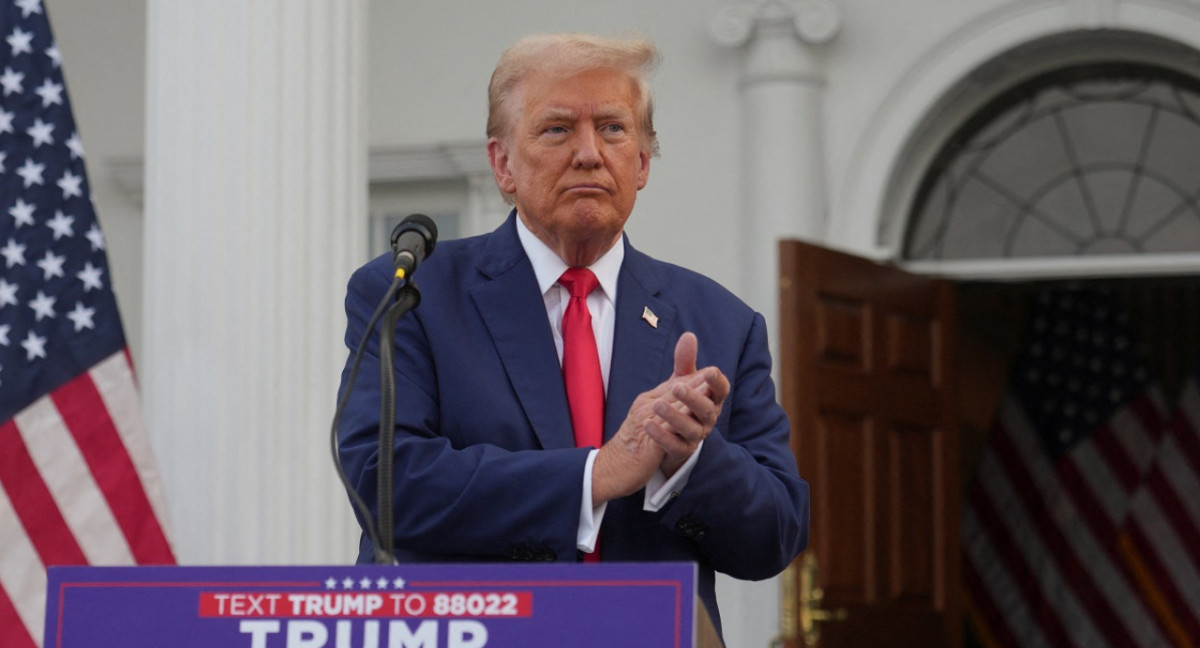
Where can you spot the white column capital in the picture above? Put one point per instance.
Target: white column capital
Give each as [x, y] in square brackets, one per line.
[814, 21]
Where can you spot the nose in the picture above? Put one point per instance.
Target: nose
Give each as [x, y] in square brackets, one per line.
[587, 149]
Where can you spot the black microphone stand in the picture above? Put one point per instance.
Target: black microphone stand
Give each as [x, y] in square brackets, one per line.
[407, 298]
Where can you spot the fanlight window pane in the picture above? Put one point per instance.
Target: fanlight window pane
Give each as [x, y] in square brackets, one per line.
[1085, 161]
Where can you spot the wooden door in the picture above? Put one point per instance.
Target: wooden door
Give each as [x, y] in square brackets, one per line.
[867, 381]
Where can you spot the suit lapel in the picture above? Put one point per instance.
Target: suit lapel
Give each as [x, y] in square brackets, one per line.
[642, 353]
[515, 316]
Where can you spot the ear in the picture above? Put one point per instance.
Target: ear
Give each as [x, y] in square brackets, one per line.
[644, 172]
[498, 157]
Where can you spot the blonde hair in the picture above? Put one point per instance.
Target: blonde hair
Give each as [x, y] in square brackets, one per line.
[572, 53]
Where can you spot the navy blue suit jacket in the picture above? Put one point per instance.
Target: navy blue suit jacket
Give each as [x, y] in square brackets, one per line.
[485, 462]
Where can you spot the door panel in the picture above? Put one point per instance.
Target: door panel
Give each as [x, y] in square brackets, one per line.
[867, 381]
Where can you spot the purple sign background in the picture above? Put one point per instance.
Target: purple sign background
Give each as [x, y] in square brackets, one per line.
[408, 606]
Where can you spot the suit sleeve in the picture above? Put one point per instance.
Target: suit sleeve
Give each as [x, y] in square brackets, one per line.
[453, 499]
[745, 508]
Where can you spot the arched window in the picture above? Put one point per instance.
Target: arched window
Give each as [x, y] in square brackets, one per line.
[1087, 160]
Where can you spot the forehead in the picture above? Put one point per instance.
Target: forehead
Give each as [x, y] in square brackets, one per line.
[595, 90]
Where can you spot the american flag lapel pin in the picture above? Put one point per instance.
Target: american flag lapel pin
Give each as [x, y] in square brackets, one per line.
[649, 316]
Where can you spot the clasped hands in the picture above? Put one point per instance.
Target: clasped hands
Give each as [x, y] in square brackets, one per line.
[664, 426]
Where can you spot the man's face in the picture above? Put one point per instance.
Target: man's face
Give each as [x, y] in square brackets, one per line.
[573, 159]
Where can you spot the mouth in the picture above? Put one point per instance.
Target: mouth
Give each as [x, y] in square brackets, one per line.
[587, 188]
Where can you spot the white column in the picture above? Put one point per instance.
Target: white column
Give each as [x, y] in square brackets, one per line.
[255, 217]
[783, 178]
[783, 196]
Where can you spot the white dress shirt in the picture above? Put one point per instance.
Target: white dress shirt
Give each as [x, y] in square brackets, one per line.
[548, 267]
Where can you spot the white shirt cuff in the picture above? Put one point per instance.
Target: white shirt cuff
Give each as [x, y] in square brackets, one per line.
[589, 517]
[660, 490]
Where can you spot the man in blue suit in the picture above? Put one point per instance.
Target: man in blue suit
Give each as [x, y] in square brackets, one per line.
[694, 464]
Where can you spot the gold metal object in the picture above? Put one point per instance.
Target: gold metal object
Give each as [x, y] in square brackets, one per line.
[811, 597]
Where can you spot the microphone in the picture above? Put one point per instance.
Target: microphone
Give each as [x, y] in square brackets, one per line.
[412, 240]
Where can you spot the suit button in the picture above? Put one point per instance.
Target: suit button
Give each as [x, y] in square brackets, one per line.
[691, 528]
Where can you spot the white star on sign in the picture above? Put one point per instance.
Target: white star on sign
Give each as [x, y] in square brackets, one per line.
[12, 81]
[51, 265]
[365, 583]
[82, 317]
[330, 583]
[8, 293]
[50, 92]
[35, 346]
[399, 583]
[96, 237]
[22, 212]
[41, 132]
[348, 583]
[20, 41]
[382, 583]
[29, 7]
[69, 183]
[90, 276]
[13, 253]
[43, 306]
[62, 225]
[31, 172]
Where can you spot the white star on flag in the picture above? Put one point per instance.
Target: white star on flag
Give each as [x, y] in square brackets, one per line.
[50, 92]
[29, 7]
[90, 276]
[52, 265]
[22, 212]
[41, 133]
[8, 294]
[35, 346]
[62, 225]
[75, 145]
[20, 41]
[82, 317]
[43, 306]
[6, 121]
[31, 172]
[4, 329]
[55, 55]
[96, 237]
[13, 253]
[12, 81]
[70, 184]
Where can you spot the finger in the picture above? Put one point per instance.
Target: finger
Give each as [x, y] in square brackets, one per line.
[668, 441]
[717, 383]
[681, 422]
[686, 350]
[697, 403]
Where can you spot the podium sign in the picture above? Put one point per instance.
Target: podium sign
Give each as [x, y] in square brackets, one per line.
[406, 606]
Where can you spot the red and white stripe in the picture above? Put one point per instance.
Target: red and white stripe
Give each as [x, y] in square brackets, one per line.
[77, 486]
[1040, 539]
[1164, 525]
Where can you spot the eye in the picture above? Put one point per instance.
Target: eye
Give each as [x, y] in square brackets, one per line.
[555, 130]
[613, 128]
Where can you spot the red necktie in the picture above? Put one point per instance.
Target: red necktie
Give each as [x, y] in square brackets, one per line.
[581, 368]
[581, 361]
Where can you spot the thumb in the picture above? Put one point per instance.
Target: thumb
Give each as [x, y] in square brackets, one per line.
[686, 350]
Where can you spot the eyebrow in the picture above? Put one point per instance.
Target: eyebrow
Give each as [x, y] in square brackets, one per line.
[601, 112]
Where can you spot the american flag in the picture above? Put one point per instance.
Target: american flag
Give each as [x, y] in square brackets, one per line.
[1074, 439]
[77, 480]
[1162, 539]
